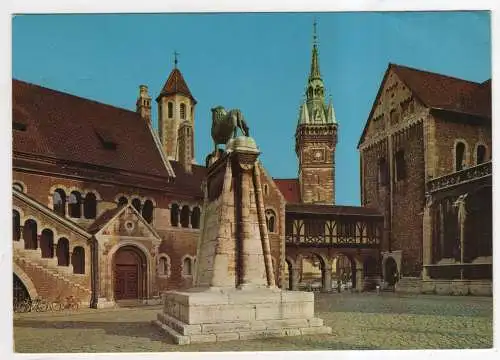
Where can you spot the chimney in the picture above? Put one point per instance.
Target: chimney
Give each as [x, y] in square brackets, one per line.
[143, 104]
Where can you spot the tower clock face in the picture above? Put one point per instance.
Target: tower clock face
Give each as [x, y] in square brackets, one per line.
[316, 155]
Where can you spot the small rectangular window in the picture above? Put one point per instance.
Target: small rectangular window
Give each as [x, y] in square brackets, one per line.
[400, 165]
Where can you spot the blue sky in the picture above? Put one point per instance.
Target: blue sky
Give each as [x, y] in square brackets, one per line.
[256, 62]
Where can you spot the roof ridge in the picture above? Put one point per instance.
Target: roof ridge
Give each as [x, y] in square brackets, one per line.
[393, 65]
[75, 96]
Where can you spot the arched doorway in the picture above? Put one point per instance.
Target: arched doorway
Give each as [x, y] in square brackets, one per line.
[19, 291]
[312, 272]
[344, 269]
[391, 271]
[129, 271]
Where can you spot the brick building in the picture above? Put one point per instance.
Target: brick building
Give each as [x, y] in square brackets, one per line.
[104, 209]
[426, 143]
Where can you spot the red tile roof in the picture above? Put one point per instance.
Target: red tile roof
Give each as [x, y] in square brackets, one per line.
[441, 92]
[189, 182]
[176, 84]
[66, 127]
[289, 188]
[331, 210]
[446, 92]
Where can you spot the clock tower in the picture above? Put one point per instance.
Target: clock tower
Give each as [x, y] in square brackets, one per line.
[316, 138]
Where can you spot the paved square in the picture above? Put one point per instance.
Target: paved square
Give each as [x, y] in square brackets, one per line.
[359, 321]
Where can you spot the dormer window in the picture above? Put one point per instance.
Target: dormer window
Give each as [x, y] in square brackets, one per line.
[106, 139]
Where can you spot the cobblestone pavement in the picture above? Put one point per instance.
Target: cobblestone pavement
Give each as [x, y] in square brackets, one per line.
[359, 321]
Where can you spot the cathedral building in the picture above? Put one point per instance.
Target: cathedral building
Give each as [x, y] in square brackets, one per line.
[426, 165]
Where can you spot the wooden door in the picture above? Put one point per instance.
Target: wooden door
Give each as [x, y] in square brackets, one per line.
[126, 281]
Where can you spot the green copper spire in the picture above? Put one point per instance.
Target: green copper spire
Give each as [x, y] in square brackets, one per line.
[314, 110]
[315, 74]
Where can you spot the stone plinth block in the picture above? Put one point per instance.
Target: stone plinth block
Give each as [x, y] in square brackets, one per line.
[201, 315]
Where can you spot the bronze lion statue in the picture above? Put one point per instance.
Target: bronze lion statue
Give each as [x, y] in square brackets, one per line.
[225, 125]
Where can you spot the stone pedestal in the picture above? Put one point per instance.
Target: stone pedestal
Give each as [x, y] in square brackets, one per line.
[234, 297]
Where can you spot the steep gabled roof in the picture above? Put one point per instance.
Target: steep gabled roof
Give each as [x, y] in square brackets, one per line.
[175, 84]
[440, 92]
[289, 188]
[52, 124]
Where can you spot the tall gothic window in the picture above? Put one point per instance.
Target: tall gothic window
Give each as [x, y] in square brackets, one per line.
[480, 154]
[183, 111]
[383, 173]
[170, 109]
[400, 165]
[459, 156]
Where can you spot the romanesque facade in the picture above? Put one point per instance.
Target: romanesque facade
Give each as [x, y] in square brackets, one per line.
[426, 165]
[104, 208]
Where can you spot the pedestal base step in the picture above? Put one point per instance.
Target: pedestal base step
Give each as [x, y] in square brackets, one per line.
[183, 334]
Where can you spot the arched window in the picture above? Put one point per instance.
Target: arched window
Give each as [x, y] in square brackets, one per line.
[18, 186]
[122, 201]
[16, 225]
[75, 208]
[187, 267]
[400, 165]
[174, 215]
[183, 111]
[195, 218]
[383, 173]
[59, 202]
[62, 252]
[164, 266]
[271, 221]
[47, 243]
[78, 260]
[170, 109]
[90, 206]
[30, 235]
[136, 203]
[480, 154]
[459, 156]
[185, 216]
[147, 211]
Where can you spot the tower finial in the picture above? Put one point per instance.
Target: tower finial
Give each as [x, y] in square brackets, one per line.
[175, 59]
[315, 34]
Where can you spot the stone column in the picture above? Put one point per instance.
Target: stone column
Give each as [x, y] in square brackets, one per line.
[190, 224]
[360, 279]
[327, 279]
[179, 217]
[462, 215]
[294, 274]
[427, 237]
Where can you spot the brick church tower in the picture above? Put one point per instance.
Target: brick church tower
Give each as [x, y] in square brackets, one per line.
[176, 107]
[316, 139]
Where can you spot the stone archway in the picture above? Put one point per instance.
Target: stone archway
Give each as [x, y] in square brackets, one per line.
[345, 271]
[26, 281]
[130, 273]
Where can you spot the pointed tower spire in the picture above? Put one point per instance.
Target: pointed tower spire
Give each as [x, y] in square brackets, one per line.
[315, 73]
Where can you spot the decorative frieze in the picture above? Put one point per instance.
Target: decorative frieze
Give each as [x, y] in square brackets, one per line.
[460, 177]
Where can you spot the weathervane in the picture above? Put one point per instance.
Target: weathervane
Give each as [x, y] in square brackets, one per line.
[175, 59]
[315, 36]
